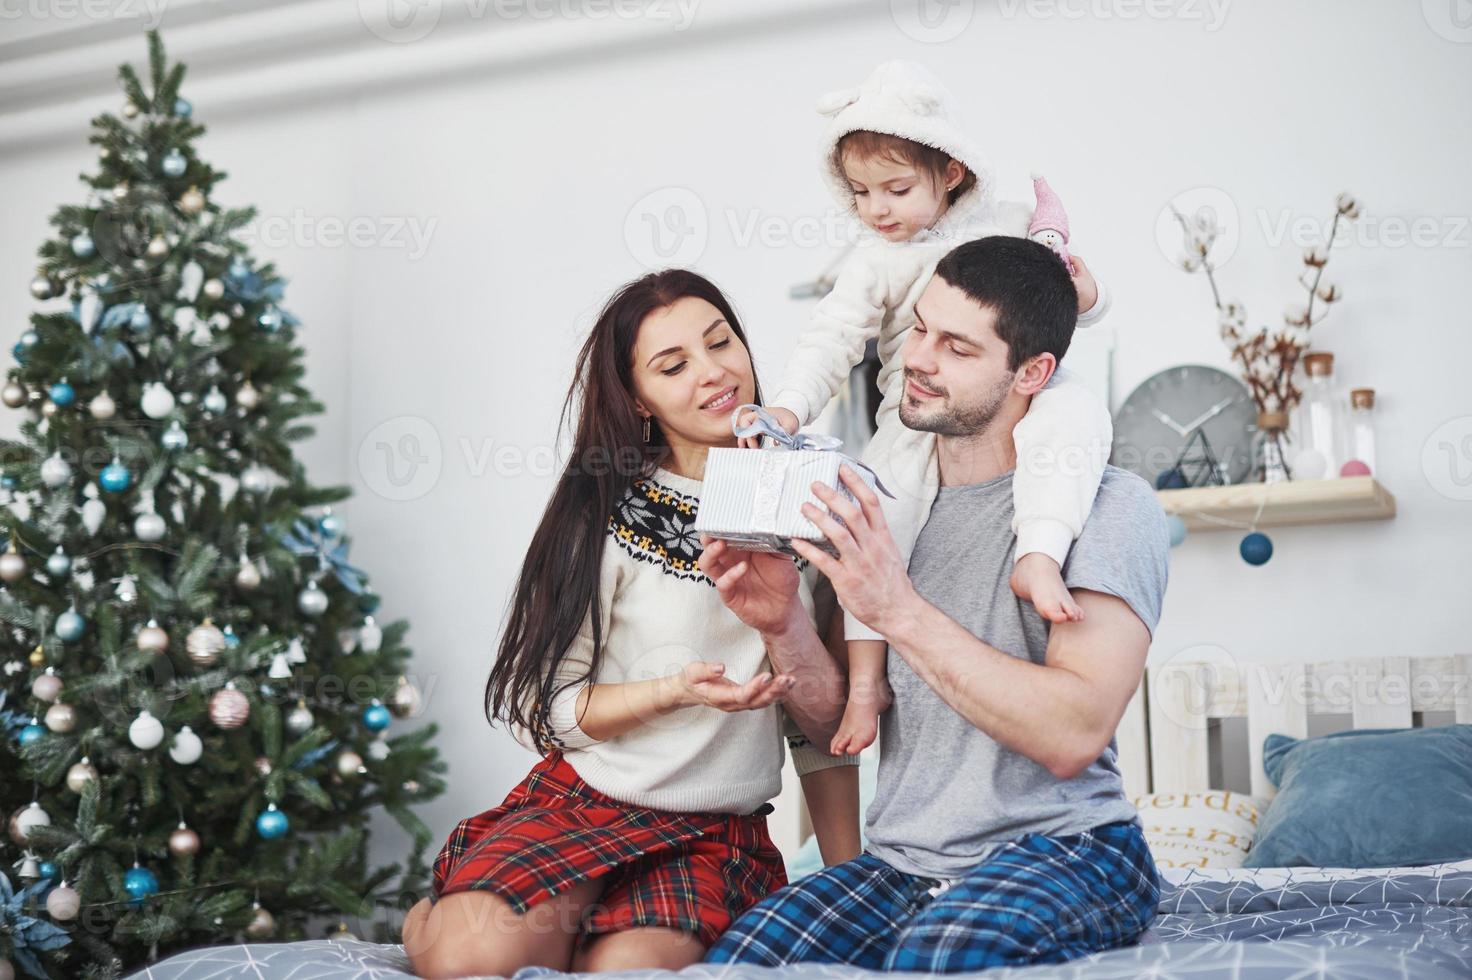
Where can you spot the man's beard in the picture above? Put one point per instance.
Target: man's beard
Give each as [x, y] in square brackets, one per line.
[967, 421]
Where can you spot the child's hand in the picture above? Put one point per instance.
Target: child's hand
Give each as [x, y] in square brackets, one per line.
[784, 418]
[1084, 282]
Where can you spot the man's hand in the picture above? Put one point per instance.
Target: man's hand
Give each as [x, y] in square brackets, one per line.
[705, 683]
[1085, 283]
[784, 417]
[868, 576]
[760, 588]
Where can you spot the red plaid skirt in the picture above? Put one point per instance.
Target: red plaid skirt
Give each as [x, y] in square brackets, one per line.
[691, 871]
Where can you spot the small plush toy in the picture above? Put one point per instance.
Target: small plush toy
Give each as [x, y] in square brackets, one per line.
[1049, 221]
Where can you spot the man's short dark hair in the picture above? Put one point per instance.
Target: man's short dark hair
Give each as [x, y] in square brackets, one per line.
[1028, 286]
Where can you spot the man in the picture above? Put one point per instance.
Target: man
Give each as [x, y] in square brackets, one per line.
[1000, 832]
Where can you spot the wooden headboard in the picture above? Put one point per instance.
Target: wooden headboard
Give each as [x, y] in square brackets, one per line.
[1163, 739]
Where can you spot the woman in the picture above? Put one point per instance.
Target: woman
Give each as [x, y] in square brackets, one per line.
[642, 833]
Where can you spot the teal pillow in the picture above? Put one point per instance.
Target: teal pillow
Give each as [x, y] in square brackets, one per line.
[1373, 798]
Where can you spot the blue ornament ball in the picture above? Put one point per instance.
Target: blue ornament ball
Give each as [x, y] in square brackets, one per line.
[270, 321]
[19, 350]
[59, 565]
[139, 883]
[1256, 548]
[1177, 528]
[115, 478]
[82, 245]
[1171, 479]
[183, 108]
[49, 871]
[368, 602]
[174, 164]
[8, 482]
[63, 394]
[140, 320]
[174, 438]
[271, 823]
[232, 639]
[29, 339]
[70, 626]
[376, 717]
[330, 525]
[31, 733]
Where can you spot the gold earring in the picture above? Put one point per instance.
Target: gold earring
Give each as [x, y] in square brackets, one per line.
[646, 428]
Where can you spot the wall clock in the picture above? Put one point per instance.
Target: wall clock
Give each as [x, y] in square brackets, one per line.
[1159, 417]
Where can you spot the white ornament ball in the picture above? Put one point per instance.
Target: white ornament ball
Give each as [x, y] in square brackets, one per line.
[149, 527]
[63, 903]
[248, 577]
[312, 601]
[55, 471]
[158, 401]
[153, 638]
[146, 731]
[102, 406]
[214, 288]
[300, 720]
[378, 750]
[12, 566]
[47, 687]
[247, 396]
[187, 747]
[29, 818]
[349, 764]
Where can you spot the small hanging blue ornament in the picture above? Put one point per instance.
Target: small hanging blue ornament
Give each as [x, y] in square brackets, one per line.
[31, 732]
[70, 625]
[139, 320]
[63, 393]
[49, 871]
[271, 823]
[115, 477]
[139, 883]
[270, 321]
[330, 524]
[7, 481]
[174, 164]
[376, 717]
[232, 640]
[1177, 529]
[368, 602]
[82, 245]
[183, 108]
[1256, 548]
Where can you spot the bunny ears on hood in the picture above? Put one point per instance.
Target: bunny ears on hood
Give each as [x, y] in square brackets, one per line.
[901, 98]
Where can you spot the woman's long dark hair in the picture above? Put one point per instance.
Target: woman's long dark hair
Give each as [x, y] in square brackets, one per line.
[559, 580]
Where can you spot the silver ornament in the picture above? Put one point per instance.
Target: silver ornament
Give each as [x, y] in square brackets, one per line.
[312, 601]
[350, 764]
[149, 527]
[299, 720]
[43, 286]
[214, 401]
[79, 775]
[12, 565]
[61, 718]
[214, 288]
[59, 564]
[55, 471]
[262, 924]
[248, 396]
[248, 577]
[183, 841]
[14, 395]
[205, 643]
[153, 638]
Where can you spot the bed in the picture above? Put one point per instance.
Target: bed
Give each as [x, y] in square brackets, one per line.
[1213, 922]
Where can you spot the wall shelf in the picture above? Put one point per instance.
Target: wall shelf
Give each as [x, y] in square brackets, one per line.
[1353, 498]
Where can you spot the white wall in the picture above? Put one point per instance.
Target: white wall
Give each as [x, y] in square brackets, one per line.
[528, 167]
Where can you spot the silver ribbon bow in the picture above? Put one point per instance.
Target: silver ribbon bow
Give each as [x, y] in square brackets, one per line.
[767, 425]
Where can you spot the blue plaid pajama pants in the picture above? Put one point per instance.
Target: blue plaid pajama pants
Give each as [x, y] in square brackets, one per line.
[1037, 899]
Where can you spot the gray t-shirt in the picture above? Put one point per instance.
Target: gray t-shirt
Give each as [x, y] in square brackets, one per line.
[949, 793]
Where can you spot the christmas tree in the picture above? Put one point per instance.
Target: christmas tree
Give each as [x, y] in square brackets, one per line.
[197, 704]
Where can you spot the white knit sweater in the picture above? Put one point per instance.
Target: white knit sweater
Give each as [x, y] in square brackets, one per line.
[658, 612]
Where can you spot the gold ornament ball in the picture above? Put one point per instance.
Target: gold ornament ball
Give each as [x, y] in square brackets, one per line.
[157, 247]
[153, 639]
[61, 718]
[37, 657]
[12, 566]
[214, 288]
[349, 763]
[79, 775]
[130, 110]
[205, 643]
[49, 408]
[183, 842]
[14, 395]
[262, 924]
[191, 201]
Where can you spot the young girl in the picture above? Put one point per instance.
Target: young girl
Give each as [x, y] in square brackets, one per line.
[895, 157]
[642, 832]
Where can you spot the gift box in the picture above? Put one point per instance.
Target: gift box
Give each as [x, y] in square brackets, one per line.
[753, 497]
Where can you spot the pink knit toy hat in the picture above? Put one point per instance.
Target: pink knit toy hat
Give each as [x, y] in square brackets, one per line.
[1049, 213]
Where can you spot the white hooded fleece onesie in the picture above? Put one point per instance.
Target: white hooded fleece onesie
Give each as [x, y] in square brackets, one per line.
[1063, 441]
